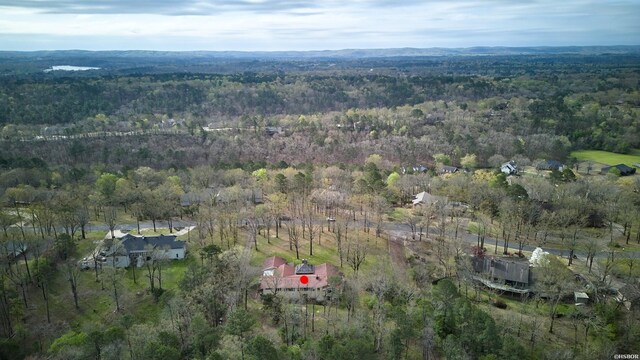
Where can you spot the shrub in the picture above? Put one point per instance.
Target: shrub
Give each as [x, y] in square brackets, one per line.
[500, 304]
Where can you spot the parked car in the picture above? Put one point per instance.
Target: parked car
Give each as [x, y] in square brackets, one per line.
[85, 265]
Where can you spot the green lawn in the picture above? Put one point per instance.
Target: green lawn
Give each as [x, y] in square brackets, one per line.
[325, 252]
[398, 214]
[280, 247]
[174, 271]
[608, 158]
[473, 227]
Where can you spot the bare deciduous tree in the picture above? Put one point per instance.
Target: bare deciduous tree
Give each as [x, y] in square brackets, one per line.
[294, 237]
[554, 281]
[114, 277]
[356, 255]
[111, 218]
[72, 272]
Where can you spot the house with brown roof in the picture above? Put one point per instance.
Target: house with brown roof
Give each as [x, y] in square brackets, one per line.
[280, 277]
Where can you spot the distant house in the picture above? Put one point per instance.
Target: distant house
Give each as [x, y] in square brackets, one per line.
[446, 169]
[13, 249]
[416, 169]
[622, 168]
[580, 298]
[509, 168]
[501, 106]
[514, 273]
[171, 123]
[198, 197]
[257, 196]
[424, 198]
[550, 165]
[225, 196]
[272, 130]
[280, 277]
[629, 296]
[420, 169]
[139, 249]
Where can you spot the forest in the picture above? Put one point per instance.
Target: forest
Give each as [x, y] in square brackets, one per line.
[320, 159]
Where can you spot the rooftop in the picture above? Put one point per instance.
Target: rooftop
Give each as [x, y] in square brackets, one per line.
[624, 169]
[273, 262]
[426, 198]
[139, 243]
[503, 269]
[630, 292]
[305, 268]
[580, 295]
[285, 276]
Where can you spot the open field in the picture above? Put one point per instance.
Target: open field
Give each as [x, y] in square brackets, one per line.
[326, 251]
[608, 158]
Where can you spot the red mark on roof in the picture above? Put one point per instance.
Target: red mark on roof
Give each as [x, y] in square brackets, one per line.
[304, 279]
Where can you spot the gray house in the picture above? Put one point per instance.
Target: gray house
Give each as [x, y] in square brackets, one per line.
[198, 197]
[424, 198]
[13, 249]
[122, 252]
[509, 168]
[511, 272]
[550, 165]
[446, 169]
[225, 196]
[580, 298]
[629, 296]
[622, 168]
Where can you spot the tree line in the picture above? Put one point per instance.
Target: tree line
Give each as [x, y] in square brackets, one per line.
[593, 107]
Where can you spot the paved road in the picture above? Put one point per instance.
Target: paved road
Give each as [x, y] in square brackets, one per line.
[103, 134]
[489, 242]
[143, 225]
[394, 228]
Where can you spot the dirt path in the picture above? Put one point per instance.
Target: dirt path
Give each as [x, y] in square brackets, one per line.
[396, 250]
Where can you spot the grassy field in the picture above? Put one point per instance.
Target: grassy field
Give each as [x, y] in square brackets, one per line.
[326, 251]
[96, 300]
[608, 158]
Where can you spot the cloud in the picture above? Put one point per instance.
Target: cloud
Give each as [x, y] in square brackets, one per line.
[314, 24]
[159, 7]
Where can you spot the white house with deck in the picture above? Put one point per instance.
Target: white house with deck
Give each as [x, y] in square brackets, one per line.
[509, 168]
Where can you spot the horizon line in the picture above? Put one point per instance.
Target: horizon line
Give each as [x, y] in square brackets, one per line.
[335, 50]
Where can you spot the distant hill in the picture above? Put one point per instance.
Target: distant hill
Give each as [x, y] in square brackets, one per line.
[226, 62]
[338, 54]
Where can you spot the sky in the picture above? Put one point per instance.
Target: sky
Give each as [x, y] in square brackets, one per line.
[273, 25]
